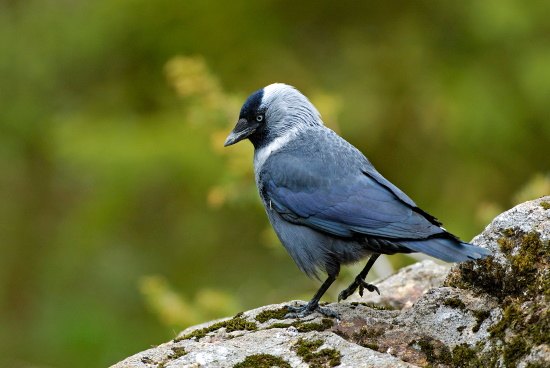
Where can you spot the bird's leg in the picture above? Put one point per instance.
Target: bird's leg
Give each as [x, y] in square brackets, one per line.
[360, 282]
[313, 305]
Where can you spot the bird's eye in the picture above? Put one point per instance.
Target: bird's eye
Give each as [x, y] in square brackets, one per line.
[259, 118]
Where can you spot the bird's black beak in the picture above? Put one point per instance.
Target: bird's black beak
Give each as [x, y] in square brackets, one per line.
[241, 131]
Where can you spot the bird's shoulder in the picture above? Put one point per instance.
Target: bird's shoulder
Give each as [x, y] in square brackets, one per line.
[314, 156]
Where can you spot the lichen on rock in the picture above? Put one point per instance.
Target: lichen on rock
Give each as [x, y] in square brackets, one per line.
[518, 276]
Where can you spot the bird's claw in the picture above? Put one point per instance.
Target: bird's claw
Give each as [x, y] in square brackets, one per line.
[358, 283]
[305, 310]
[370, 287]
[344, 294]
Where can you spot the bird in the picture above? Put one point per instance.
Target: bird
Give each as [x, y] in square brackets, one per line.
[326, 202]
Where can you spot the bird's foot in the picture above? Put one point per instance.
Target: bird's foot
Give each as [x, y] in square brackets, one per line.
[305, 310]
[358, 283]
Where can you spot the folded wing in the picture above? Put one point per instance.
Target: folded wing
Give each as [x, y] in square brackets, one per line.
[344, 203]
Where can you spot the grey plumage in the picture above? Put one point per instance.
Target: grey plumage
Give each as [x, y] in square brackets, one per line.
[326, 202]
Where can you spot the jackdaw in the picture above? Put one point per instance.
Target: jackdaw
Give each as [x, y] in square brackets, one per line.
[326, 202]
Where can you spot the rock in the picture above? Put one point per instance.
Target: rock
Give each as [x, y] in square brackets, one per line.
[517, 278]
[493, 312]
[263, 334]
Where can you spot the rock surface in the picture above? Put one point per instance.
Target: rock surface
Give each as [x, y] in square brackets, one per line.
[493, 313]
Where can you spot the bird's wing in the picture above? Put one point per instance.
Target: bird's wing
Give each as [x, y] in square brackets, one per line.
[329, 198]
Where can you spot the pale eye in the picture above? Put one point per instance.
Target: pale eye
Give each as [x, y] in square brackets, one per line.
[259, 118]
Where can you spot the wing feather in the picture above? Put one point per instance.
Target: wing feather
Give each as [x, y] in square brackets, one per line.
[342, 200]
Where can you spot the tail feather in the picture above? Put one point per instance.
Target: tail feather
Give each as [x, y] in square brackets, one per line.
[448, 249]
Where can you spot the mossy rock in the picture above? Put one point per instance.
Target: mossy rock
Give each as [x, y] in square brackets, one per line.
[521, 283]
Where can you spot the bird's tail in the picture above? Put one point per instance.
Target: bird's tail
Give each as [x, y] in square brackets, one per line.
[448, 249]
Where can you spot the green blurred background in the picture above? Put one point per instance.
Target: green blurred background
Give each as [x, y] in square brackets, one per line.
[124, 220]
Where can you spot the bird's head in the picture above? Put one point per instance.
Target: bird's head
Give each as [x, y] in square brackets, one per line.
[271, 112]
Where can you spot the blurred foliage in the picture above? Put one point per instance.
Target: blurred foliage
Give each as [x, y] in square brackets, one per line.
[122, 217]
[175, 310]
